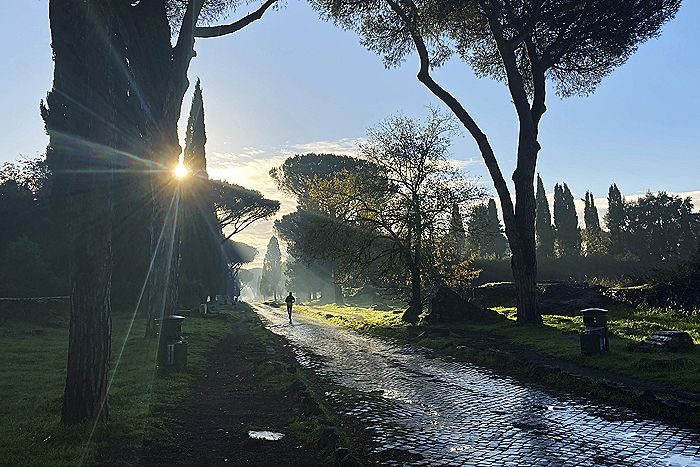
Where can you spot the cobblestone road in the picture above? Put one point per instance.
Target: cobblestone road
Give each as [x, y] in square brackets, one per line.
[452, 413]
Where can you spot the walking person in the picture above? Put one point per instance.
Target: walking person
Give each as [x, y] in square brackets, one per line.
[290, 301]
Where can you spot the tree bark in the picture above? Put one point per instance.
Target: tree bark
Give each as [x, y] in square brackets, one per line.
[80, 121]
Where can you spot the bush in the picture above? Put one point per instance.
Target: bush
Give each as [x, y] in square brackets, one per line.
[23, 271]
[674, 287]
[594, 268]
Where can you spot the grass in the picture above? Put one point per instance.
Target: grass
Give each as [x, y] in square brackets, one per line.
[558, 339]
[32, 375]
[627, 325]
[355, 317]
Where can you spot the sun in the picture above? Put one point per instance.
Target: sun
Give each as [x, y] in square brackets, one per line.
[180, 171]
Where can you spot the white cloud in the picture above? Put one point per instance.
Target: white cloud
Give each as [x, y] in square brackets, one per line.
[344, 146]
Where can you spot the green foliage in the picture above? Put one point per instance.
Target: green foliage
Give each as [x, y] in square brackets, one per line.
[401, 214]
[23, 271]
[300, 174]
[202, 263]
[457, 236]
[661, 227]
[614, 220]
[592, 236]
[543, 223]
[31, 254]
[238, 207]
[566, 222]
[604, 269]
[195, 135]
[485, 234]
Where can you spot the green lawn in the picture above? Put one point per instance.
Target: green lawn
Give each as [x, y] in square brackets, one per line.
[32, 373]
[558, 338]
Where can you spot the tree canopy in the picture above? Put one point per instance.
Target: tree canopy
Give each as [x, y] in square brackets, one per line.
[523, 43]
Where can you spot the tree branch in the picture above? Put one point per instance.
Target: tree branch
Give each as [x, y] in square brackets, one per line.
[218, 31]
[481, 140]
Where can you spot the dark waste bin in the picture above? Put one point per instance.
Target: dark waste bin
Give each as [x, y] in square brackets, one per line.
[594, 338]
[172, 350]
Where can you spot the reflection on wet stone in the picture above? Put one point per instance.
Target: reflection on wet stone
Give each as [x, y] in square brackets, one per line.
[426, 410]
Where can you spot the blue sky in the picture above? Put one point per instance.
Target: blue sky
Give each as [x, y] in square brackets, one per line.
[294, 83]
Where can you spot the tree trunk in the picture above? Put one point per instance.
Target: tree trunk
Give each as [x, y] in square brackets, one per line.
[414, 241]
[80, 120]
[148, 35]
[338, 294]
[89, 343]
[522, 233]
[525, 279]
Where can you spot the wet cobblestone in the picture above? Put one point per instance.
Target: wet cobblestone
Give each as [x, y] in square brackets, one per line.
[449, 413]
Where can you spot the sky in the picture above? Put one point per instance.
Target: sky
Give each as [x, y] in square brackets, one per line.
[293, 83]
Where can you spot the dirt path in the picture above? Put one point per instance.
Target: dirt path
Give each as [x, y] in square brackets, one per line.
[233, 397]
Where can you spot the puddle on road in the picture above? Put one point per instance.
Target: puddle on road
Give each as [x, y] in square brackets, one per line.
[266, 435]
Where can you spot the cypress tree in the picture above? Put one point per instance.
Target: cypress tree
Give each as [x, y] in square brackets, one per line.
[615, 219]
[498, 244]
[543, 223]
[202, 262]
[593, 235]
[566, 222]
[271, 270]
[196, 135]
[485, 231]
[590, 214]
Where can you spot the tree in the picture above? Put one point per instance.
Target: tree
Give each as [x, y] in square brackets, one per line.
[399, 212]
[118, 89]
[307, 231]
[202, 262]
[237, 207]
[80, 118]
[272, 270]
[236, 254]
[299, 174]
[662, 227]
[302, 277]
[23, 271]
[523, 43]
[566, 222]
[485, 232]
[543, 223]
[457, 234]
[593, 234]
[615, 219]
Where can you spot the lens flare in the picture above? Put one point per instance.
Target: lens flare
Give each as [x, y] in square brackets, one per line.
[181, 171]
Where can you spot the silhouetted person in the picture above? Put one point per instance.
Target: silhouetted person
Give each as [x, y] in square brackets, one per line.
[289, 301]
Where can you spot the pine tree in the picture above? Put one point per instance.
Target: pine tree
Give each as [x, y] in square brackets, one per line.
[543, 223]
[614, 220]
[271, 270]
[457, 233]
[566, 222]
